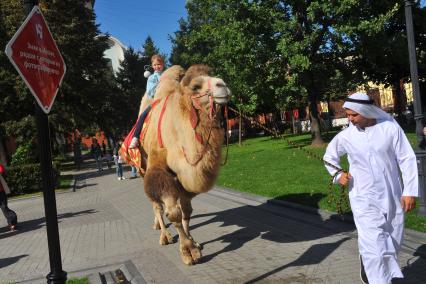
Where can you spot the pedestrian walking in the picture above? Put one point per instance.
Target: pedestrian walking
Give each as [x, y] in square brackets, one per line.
[97, 154]
[77, 153]
[9, 214]
[378, 151]
[118, 162]
[103, 147]
[134, 172]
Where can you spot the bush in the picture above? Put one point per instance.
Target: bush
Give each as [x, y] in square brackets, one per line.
[24, 154]
[23, 179]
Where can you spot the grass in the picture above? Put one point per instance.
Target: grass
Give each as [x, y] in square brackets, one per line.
[272, 168]
[65, 181]
[69, 281]
[78, 281]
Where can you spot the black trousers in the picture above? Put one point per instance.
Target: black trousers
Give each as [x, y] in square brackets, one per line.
[10, 215]
[139, 123]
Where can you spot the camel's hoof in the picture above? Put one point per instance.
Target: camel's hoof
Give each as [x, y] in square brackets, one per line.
[199, 246]
[166, 238]
[189, 253]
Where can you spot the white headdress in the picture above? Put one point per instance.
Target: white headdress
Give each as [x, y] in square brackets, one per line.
[362, 104]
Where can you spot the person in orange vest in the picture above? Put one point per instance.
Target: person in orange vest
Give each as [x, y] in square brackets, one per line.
[9, 214]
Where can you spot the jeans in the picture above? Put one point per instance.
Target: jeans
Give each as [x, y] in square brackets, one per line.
[98, 160]
[134, 172]
[119, 169]
[10, 215]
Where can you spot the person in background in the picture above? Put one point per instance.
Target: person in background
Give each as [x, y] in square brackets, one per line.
[134, 172]
[9, 214]
[97, 154]
[77, 153]
[118, 161]
[157, 63]
[103, 147]
[379, 155]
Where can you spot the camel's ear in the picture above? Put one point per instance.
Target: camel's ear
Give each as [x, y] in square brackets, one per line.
[194, 71]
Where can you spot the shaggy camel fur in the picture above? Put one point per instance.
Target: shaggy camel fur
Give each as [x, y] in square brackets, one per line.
[189, 161]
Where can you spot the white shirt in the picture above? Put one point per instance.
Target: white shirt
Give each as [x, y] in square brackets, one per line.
[374, 155]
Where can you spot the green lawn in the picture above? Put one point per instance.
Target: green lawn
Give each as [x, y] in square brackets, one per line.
[65, 181]
[78, 281]
[272, 168]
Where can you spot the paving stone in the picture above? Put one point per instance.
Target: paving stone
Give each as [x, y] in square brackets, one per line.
[106, 223]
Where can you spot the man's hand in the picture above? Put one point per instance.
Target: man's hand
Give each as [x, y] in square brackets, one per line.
[408, 203]
[344, 179]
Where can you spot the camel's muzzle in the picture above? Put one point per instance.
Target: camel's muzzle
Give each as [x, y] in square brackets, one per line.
[221, 93]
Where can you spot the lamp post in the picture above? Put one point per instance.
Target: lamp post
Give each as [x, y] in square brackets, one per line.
[418, 114]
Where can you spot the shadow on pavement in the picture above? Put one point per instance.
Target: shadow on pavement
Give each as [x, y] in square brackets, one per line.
[314, 255]
[415, 269]
[274, 223]
[306, 199]
[35, 224]
[11, 260]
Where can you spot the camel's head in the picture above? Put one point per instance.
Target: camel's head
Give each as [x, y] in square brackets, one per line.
[199, 84]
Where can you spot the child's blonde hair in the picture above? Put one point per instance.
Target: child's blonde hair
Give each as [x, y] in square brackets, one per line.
[157, 57]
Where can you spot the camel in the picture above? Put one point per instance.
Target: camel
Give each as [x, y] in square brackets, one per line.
[182, 142]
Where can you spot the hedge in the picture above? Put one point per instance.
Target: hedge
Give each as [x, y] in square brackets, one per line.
[23, 179]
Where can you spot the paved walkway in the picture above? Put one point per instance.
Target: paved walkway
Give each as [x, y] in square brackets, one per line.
[106, 223]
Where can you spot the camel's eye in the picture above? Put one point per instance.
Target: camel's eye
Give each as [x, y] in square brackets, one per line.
[196, 87]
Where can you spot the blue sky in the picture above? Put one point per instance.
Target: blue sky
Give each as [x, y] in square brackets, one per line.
[131, 21]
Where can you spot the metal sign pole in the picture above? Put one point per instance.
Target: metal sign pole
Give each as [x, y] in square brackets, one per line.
[56, 275]
[418, 114]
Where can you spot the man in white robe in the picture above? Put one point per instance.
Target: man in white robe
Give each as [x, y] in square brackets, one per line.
[377, 149]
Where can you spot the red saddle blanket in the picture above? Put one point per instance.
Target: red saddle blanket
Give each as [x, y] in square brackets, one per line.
[136, 157]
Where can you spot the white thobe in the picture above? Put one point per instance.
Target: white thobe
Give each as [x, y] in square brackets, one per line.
[375, 156]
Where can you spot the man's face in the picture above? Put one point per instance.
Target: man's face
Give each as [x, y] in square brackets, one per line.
[357, 119]
[157, 65]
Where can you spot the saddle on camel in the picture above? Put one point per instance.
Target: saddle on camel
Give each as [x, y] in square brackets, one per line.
[180, 153]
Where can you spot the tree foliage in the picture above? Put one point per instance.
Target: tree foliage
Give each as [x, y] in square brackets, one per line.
[280, 54]
[85, 97]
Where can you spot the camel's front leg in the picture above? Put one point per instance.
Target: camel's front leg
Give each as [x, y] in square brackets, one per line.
[189, 251]
[156, 225]
[165, 236]
[185, 203]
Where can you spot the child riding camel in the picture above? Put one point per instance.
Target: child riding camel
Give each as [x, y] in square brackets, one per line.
[157, 64]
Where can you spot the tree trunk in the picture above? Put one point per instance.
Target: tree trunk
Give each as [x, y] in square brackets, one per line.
[293, 122]
[315, 128]
[3, 157]
[239, 130]
[399, 101]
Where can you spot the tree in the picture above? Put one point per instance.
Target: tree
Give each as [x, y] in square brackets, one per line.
[83, 100]
[381, 55]
[273, 54]
[149, 48]
[131, 85]
[237, 39]
[16, 103]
